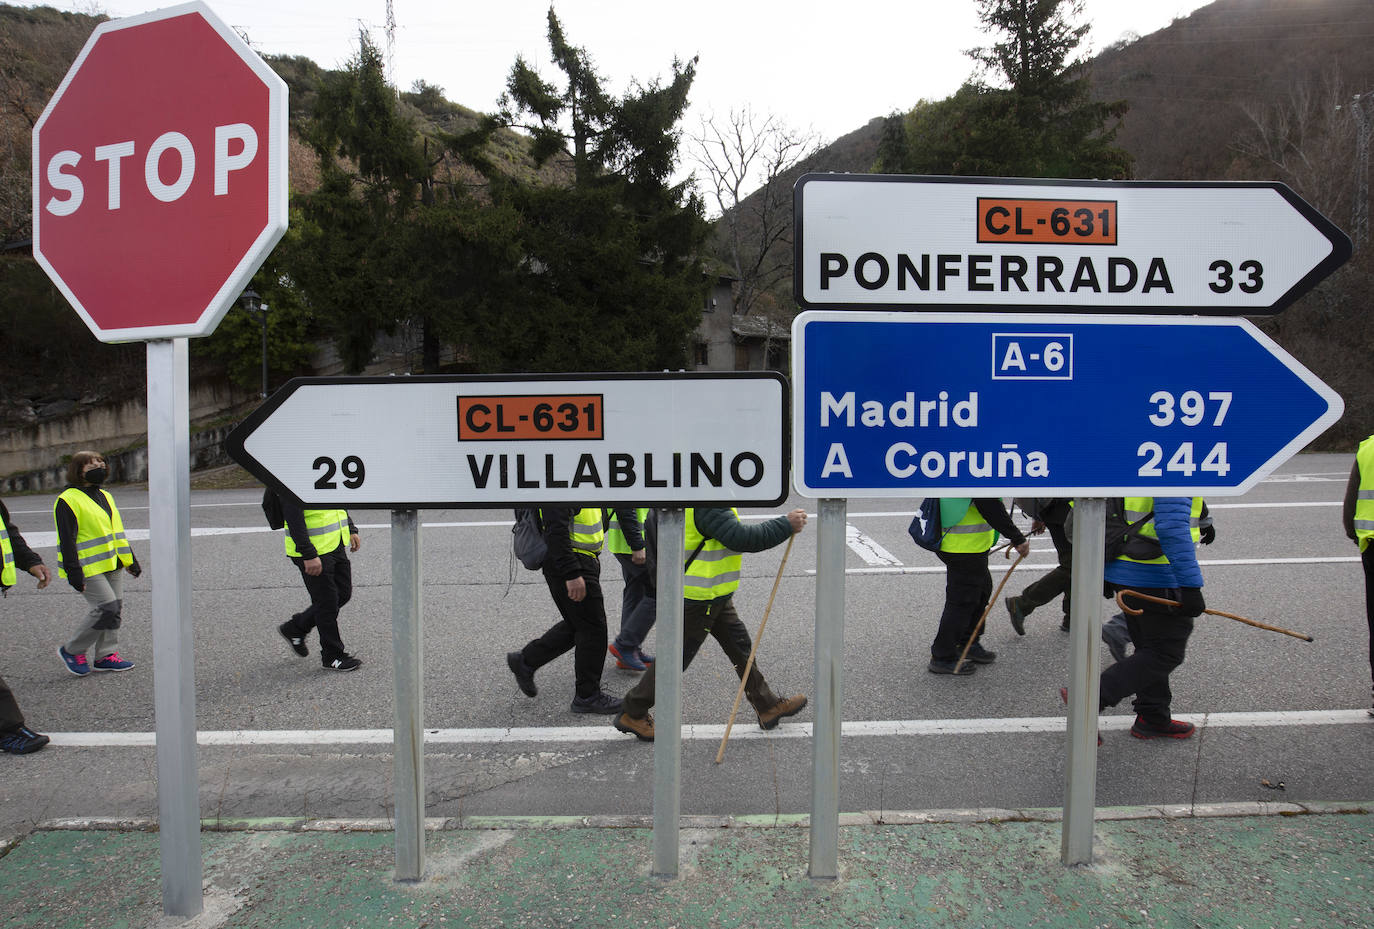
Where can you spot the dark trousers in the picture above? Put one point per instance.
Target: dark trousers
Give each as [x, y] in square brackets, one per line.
[718, 619]
[1161, 639]
[581, 629]
[968, 587]
[637, 604]
[329, 591]
[10, 717]
[1367, 558]
[1057, 581]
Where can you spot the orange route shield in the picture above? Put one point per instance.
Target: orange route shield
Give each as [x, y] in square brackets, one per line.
[1081, 222]
[533, 416]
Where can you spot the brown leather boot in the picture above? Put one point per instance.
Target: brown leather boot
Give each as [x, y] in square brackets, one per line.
[789, 706]
[642, 729]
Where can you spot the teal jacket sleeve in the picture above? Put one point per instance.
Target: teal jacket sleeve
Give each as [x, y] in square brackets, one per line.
[721, 524]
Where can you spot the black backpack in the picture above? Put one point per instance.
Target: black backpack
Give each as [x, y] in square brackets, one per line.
[528, 539]
[1121, 534]
[271, 508]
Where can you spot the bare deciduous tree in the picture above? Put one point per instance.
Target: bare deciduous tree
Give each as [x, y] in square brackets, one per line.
[749, 161]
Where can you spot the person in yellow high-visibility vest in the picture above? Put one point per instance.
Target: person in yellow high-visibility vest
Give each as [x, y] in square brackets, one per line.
[970, 528]
[714, 540]
[1357, 513]
[638, 601]
[318, 543]
[16, 738]
[572, 571]
[93, 554]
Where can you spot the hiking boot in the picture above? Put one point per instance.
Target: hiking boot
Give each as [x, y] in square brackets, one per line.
[524, 674]
[111, 662]
[1117, 637]
[1064, 695]
[980, 655]
[627, 659]
[296, 642]
[1173, 729]
[642, 729]
[788, 706]
[1018, 619]
[22, 741]
[344, 663]
[75, 663]
[599, 702]
[937, 666]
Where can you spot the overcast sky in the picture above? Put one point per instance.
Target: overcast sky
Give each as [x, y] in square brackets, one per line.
[827, 67]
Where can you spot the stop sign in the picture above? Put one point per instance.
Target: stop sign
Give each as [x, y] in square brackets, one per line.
[159, 174]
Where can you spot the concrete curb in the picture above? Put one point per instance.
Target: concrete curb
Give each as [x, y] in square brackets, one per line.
[753, 821]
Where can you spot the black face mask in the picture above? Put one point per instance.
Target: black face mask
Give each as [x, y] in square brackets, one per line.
[96, 475]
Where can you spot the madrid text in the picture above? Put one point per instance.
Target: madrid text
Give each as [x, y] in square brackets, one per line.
[904, 459]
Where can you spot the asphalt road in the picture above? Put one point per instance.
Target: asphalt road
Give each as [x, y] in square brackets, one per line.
[283, 737]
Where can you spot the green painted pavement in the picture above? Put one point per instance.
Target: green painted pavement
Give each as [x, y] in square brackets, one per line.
[1314, 870]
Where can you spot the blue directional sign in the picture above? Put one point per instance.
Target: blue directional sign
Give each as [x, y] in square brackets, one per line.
[903, 405]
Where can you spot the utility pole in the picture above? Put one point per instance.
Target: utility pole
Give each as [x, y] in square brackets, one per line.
[391, 45]
[1360, 214]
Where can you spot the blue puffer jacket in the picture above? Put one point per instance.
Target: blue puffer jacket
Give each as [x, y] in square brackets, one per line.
[1171, 525]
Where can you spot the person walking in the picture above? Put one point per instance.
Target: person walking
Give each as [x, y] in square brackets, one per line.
[16, 738]
[715, 537]
[1160, 561]
[1357, 515]
[625, 540]
[1115, 633]
[318, 543]
[572, 571]
[93, 554]
[1046, 513]
[970, 528]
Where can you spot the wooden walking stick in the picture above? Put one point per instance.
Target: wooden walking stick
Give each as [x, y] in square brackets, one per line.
[1121, 602]
[982, 619]
[753, 650]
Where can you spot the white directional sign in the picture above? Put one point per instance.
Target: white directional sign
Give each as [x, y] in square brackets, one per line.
[924, 404]
[415, 442]
[887, 241]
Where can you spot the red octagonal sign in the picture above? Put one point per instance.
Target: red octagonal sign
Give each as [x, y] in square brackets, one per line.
[159, 174]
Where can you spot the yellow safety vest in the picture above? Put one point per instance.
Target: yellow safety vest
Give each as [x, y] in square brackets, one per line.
[1364, 503]
[1136, 507]
[969, 536]
[615, 538]
[7, 571]
[586, 532]
[100, 543]
[327, 529]
[714, 572]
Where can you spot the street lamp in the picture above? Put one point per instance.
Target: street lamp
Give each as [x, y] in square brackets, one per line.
[254, 305]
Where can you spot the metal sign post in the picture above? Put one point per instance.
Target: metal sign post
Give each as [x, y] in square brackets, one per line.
[407, 655]
[1080, 785]
[672, 524]
[829, 691]
[174, 666]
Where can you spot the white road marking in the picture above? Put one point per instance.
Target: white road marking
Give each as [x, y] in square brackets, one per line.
[867, 548]
[709, 733]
